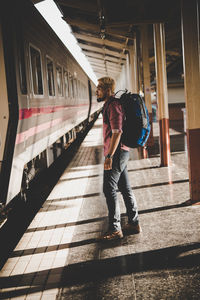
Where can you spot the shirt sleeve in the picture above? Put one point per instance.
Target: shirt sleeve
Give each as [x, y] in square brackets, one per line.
[116, 116]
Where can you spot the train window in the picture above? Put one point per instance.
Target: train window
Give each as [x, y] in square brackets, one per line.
[22, 71]
[50, 77]
[66, 84]
[74, 86]
[82, 90]
[71, 86]
[59, 80]
[78, 89]
[36, 69]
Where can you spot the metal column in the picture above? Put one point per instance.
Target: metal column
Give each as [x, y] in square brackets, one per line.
[146, 77]
[133, 68]
[190, 41]
[162, 96]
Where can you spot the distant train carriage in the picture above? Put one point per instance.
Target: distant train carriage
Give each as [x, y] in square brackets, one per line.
[47, 97]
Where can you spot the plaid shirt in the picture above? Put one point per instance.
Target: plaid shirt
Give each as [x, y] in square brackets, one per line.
[113, 116]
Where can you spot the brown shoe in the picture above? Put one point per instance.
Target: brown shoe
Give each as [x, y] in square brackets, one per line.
[111, 235]
[131, 229]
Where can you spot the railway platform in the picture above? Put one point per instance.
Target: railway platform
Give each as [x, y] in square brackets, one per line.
[58, 256]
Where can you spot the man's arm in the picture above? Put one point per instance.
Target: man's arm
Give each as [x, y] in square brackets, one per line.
[114, 142]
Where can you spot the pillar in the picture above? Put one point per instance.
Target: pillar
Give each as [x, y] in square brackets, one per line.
[139, 61]
[134, 87]
[128, 72]
[190, 42]
[162, 96]
[146, 77]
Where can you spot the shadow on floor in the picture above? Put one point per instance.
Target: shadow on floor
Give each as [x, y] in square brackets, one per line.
[95, 272]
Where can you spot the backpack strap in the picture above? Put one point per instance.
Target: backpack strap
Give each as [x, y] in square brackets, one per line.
[105, 109]
[124, 91]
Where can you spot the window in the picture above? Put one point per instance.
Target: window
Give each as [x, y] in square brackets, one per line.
[78, 89]
[22, 71]
[66, 84]
[19, 30]
[71, 86]
[59, 80]
[83, 91]
[36, 71]
[50, 77]
[75, 88]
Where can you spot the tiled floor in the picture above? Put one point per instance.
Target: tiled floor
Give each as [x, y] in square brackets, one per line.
[59, 258]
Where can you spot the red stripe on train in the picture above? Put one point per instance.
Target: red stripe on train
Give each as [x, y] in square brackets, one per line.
[23, 136]
[25, 113]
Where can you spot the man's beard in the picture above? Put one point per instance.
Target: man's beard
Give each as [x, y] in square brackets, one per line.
[101, 99]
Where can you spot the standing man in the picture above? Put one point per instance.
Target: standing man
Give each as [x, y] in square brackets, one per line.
[115, 164]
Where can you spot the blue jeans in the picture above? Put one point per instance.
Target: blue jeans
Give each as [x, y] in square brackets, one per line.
[114, 179]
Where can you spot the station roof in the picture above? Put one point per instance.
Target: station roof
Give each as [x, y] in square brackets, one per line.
[105, 30]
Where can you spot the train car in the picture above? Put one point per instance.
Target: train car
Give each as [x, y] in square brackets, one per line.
[46, 97]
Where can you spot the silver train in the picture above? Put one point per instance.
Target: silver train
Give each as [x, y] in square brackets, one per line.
[46, 97]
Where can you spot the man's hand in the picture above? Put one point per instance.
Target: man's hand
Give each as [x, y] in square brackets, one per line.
[114, 142]
[108, 164]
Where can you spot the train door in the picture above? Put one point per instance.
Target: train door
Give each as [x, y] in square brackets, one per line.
[90, 99]
[9, 112]
[4, 111]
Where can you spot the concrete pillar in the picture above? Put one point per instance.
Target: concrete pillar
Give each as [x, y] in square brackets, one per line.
[128, 72]
[146, 77]
[134, 80]
[162, 96]
[134, 87]
[139, 62]
[190, 41]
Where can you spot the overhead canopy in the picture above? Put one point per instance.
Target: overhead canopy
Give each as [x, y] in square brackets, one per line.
[105, 30]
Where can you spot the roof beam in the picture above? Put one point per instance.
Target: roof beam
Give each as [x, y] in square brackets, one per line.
[96, 60]
[103, 72]
[106, 57]
[102, 50]
[86, 6]
[82, 23]
[95, 40]
[94, 27]
[107, 66]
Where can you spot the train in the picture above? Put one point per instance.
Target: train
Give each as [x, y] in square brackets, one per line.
[46, 97]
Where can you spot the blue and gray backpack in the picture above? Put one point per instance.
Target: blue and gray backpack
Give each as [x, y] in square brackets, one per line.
[136, 127]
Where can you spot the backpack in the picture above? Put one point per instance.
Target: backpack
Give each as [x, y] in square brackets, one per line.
[136, 127]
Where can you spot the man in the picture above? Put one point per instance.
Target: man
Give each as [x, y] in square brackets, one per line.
[115, 164]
